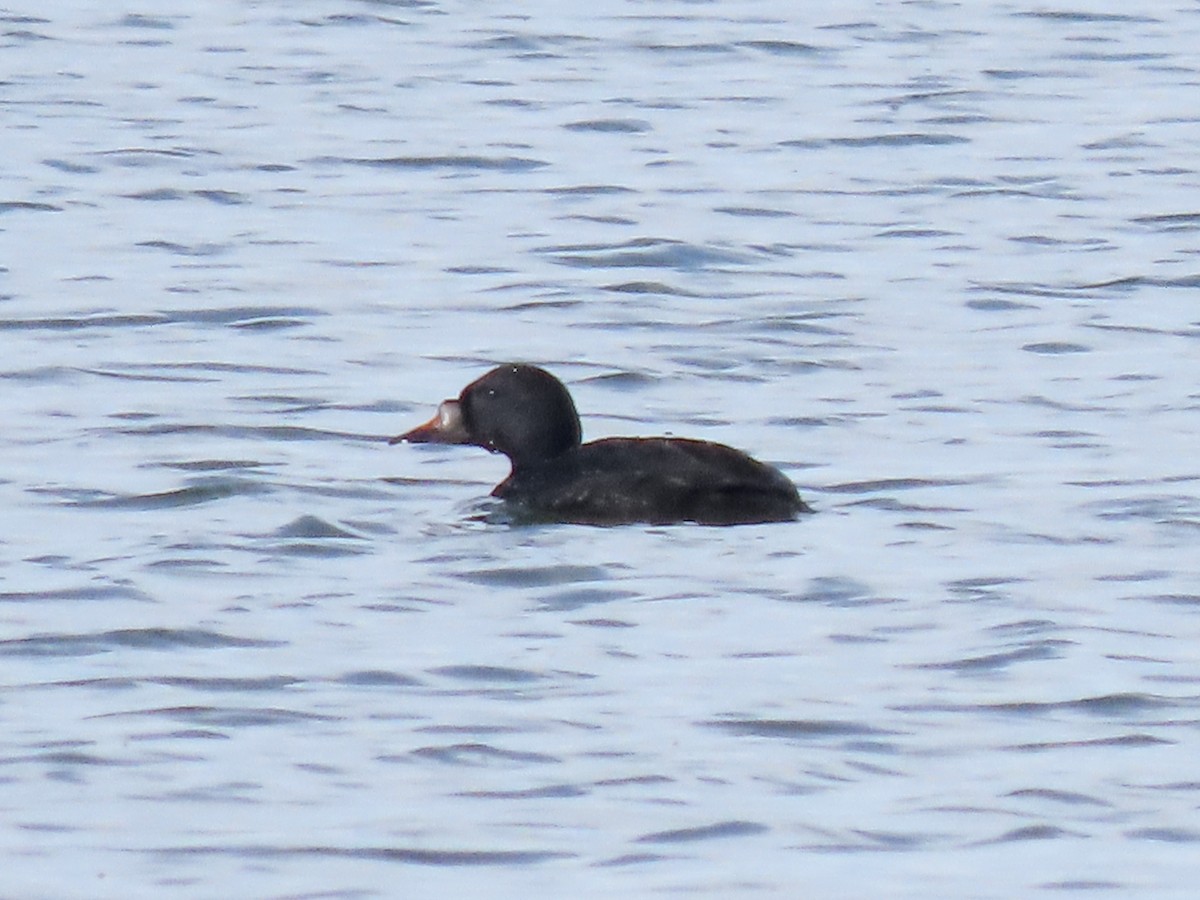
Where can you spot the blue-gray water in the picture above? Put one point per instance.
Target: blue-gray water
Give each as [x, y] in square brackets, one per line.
[939, 262]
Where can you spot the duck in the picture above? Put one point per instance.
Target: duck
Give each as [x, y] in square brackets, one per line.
[527, 414]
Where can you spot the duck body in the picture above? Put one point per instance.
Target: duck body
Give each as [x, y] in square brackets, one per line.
[527, 414]
[652, 480]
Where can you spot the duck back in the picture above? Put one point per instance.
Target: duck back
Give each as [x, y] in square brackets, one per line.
[655, 481]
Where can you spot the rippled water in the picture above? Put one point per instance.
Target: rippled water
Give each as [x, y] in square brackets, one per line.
[936, 261]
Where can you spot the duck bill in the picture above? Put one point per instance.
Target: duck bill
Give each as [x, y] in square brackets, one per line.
[447, 427]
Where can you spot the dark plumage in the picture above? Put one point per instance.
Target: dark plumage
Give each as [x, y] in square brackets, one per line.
[527, 414]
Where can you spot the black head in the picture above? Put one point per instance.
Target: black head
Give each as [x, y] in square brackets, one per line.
[521, 411]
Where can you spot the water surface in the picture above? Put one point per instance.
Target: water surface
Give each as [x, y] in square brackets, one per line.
[935, 261]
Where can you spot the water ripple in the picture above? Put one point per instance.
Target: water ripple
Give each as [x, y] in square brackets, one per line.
[126, 638]
[646, 253]
[703, 833]
[203, 490]
[797, 729]
[477, 754]
[408, 855]
[453, 163]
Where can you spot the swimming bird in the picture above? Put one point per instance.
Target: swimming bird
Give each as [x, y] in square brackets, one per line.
[528, 415]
